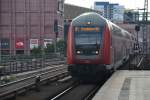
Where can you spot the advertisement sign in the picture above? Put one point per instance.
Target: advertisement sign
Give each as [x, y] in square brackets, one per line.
[19, 43]
[47, 41]
[33, 43]
[5, 44]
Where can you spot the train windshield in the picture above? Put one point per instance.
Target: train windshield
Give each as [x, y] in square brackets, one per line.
[88, 37]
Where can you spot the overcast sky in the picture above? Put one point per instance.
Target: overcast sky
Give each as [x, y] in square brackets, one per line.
[132, 4]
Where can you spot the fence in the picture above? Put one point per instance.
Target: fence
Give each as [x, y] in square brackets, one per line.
[23, 63]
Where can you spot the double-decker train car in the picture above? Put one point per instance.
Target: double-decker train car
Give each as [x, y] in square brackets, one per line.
[96, 45]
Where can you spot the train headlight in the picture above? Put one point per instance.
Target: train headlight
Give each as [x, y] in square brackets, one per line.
[96, 52]
[88, 23]
[78, 52]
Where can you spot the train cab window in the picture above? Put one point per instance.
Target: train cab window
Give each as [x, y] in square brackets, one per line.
[90, 37]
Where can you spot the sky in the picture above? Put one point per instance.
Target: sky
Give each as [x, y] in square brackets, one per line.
[131, 4]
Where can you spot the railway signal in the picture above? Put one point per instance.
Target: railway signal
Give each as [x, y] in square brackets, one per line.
[136, 48]
[137, 29]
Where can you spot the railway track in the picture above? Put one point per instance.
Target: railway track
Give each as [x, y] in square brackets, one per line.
[79, 91]
[48, 90]
[36, 72]
[22, 85]
[65, 91]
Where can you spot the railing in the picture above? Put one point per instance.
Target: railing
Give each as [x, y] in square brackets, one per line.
[6, 58]
[23, 65]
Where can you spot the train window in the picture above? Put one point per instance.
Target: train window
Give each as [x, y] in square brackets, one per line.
[116, 31]
[90, 38]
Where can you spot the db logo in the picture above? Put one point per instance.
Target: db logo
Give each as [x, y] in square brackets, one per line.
[19, 44]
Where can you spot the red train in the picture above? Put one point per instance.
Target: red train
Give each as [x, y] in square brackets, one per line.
[95, 45]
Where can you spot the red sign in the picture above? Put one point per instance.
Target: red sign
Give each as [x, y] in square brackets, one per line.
[19, 44]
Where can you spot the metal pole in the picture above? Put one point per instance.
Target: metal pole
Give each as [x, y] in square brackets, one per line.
[43, 53]
[0, 51]
[55, 44]
[145, 19]
[56, 33]
[137, 37]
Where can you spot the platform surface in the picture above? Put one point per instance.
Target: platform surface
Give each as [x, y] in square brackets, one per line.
[126, 85]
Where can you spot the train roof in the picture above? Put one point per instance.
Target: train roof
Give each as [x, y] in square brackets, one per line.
[97, 19]
[93, 17]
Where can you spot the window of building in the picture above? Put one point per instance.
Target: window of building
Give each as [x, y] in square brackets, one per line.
[5, 52]
[19, 51]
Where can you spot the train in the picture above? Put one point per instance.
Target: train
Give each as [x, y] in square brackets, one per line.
[96, 45]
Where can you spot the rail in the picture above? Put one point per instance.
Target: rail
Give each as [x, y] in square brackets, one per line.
[65, 91]
[139, 64]
[13, 88]
[135, 61]
[92, 92]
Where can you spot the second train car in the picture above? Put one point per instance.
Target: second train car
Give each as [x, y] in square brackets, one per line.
[96, 45]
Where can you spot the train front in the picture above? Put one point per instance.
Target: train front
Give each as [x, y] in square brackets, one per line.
[84, 45]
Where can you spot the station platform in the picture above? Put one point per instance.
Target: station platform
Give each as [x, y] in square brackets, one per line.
[126, 85]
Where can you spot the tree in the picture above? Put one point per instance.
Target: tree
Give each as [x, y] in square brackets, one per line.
[49, 48]
[60, 46]
[36, 50]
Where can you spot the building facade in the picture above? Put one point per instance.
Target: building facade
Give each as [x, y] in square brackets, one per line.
[131, 16]
[25, 24]
[113, 12]
[103, 7]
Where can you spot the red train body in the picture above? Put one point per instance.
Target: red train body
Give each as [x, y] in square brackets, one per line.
[95, 44]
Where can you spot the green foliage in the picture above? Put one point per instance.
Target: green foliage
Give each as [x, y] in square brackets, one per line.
[60, 46]
[36, 50]
[50, 48]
